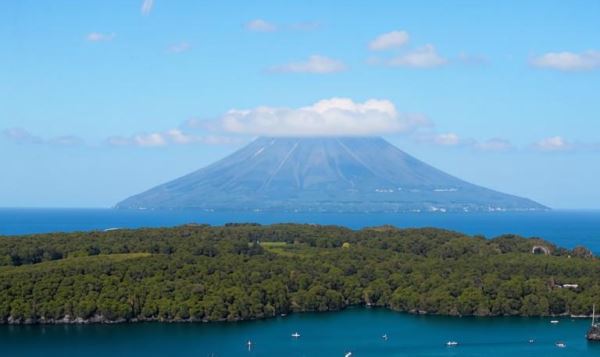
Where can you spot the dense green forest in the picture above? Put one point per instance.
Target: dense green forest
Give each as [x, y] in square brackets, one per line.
[246, 271]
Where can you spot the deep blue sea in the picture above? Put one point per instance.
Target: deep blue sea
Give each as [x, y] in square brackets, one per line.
[331, 334]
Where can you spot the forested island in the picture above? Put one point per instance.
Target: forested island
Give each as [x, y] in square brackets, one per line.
[248, 271]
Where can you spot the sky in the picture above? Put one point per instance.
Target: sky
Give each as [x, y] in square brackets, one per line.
[100, 100]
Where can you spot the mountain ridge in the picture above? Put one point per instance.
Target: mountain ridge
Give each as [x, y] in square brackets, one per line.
[337, 174]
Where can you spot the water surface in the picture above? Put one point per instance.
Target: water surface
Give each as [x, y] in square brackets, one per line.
[322, 334]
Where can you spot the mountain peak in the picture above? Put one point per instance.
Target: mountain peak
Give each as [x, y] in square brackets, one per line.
[340, 174]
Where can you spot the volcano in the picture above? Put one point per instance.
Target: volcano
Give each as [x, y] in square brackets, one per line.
[331, 174]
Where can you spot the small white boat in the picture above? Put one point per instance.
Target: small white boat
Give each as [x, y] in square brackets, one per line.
[385, 337]
[554, 322]
[295, 335]
[451, 343]
[348, 354]
[532, 341]
[561, 344]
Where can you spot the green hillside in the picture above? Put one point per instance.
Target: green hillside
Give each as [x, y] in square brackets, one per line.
[236, 272]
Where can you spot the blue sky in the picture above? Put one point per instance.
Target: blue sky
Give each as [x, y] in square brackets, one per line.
[103, 99]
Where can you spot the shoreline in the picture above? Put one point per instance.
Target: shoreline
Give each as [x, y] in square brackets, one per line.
[100, 320]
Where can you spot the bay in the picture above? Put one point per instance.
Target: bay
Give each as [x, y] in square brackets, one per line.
[356, 330]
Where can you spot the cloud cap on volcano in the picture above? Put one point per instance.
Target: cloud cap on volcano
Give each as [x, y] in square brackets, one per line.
[328, 117]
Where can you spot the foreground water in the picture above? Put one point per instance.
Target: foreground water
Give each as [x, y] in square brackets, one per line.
[326, 334]
[565, 228]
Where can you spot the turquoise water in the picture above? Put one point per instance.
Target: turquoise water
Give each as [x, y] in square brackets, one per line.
[327, 334]
[565, 228]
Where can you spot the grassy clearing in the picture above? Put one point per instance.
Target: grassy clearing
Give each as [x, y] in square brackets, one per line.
[268, 245]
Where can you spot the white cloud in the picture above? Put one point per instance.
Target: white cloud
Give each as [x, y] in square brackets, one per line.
[259, 25]
[389, 40]
[553, 143]
[100, 37]
[178, 137]
[179, 47]
[422, 57]
[568, 61]
[314, 64]
[170, 137]
[147, 6]
[152, 139]
[329, 117]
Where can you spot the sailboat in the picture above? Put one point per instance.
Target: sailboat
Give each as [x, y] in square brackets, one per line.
[594, 331]
[295, 334]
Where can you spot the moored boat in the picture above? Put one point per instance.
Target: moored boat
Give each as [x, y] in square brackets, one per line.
[593, 333]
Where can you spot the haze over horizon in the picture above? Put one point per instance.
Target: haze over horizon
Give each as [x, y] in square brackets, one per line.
[105, 99]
